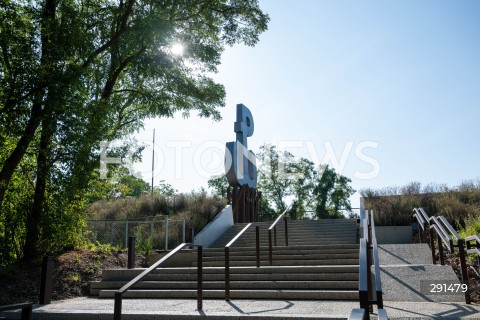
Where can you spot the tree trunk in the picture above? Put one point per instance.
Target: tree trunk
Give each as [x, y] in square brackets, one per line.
[44, 165]
[11, 163]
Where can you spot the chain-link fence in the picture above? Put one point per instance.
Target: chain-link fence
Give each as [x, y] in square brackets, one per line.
[158, 233]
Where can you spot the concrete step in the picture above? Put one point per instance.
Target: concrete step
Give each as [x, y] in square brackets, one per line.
[240, 294]
[128, 274]
[293, 248]
[263, 257]
[240, 285]
[264, 251]
[278, 262]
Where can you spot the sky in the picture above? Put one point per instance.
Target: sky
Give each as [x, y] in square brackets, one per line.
[386, 92]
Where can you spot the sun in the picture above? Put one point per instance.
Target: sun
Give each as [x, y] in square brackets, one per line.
[177, 49]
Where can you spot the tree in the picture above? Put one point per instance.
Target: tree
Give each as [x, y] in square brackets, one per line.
[331, 193]
[282, 177]
[219, 185]
[76, 73]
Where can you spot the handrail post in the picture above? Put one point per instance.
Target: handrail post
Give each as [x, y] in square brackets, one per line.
[270, 255]
[440, 249]
[117, 311]
[432, 245]
[200, 277]
[27, 312]
[257, 243]
[46, 280]
[131, 252]
[286, 231]
[463, 268]
[227, 273]
[275, 236]
[192, 235]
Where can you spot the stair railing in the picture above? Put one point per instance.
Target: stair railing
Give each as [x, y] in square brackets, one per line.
[25, 306]
[474, 248]
[423, 221]
[227, 259]
[446, 237]
[117, 313]
[370, 292]
[274, 228]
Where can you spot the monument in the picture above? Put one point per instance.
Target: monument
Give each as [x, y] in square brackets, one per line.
[241, 170]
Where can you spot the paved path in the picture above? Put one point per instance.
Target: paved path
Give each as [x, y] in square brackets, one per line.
[101, 309]
[404, 267]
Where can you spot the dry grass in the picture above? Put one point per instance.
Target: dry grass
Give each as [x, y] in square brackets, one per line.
[197, 208]
[393, 206]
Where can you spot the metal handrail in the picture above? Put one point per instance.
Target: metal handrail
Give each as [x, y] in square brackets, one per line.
[417, 215]
[279, 217]
[446, 235]
[363, 271]
[227, 260]
[376, 263]
[365, 227]
[117, 315]
[274, 228]
[475, 248]
[367, 259]
[25, 306]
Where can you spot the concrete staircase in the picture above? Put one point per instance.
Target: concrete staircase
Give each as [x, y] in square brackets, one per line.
[320, 263]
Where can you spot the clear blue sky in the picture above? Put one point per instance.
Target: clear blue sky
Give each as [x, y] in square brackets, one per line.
[401, 76]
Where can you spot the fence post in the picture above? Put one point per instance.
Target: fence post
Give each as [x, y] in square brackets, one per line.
[46, 280]
[112, 235]
[166, 232]
[131, 252]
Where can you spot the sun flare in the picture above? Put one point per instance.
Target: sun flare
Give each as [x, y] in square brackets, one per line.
[177, 49]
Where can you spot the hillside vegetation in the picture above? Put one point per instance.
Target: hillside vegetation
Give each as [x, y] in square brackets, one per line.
[459, 204]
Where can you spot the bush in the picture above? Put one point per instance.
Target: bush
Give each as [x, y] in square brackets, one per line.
[196, 208]
[393, 206]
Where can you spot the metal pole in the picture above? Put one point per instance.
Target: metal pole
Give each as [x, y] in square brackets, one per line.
[286, 231]
[192, 235]
[432, 246]
[117, 310]
[227, 273]
[126, 233]
[275, 235]
[183, 231]
[463, 268]
[440, 249]
[131, 252]
[270, 255]
[46, 280]
[257, 238]
[200, 278]
[153, 155]
[166, 233]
